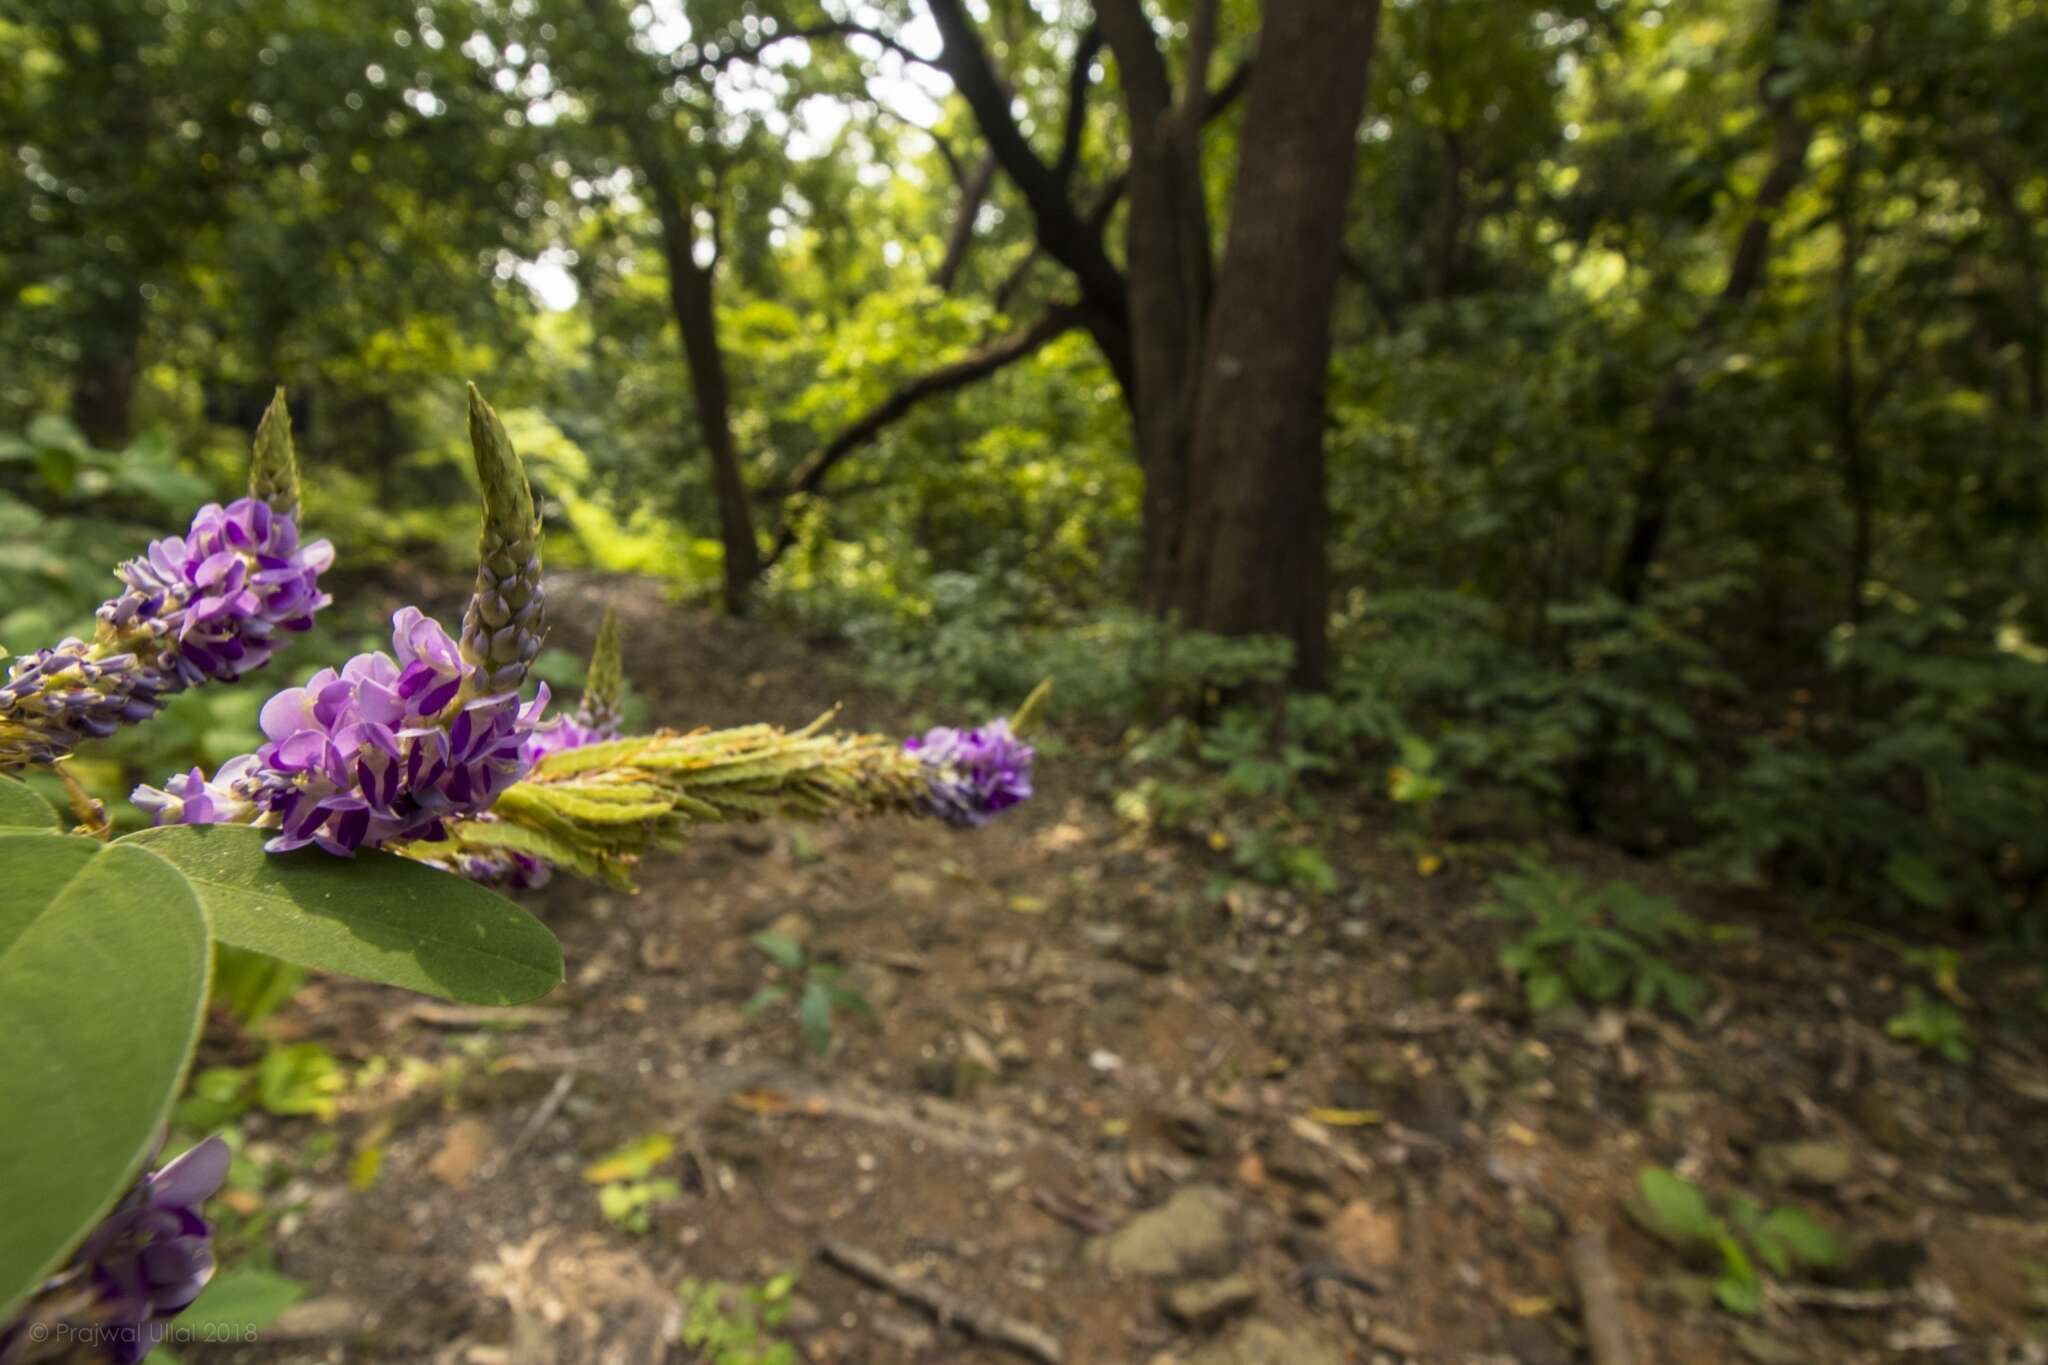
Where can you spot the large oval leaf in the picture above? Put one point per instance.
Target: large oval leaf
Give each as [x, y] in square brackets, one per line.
[376, 915]
[103, 976]
[21, 808]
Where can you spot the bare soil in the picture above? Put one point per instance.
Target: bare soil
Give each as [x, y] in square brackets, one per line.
[1073, 1026]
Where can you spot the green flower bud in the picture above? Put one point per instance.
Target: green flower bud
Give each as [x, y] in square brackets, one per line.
[604, 687]
[274, 467]
[504, 623]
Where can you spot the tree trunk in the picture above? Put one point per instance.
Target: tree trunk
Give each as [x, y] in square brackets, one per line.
[103, 382]
[1170, 273]
[690, 297]
[1254, 557]
[689, 287]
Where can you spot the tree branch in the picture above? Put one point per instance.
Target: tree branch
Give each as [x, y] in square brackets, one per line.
[1078, 78]
[976, 365]
[704, 67]
[1065, 236]
[1112, 192]
[1148, 90]
[973, 194]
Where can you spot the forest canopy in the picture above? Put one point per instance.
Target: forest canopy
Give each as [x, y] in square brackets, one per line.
[1626, 414]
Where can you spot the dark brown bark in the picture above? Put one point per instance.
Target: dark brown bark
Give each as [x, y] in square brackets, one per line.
[691, 295]
[691, 301]
[1654, 486]
[103, 380]
[1254, 553]
[1171, 271]
[1059, 227]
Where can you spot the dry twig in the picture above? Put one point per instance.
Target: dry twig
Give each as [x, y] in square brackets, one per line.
[950, 1309]
[1600, 1310]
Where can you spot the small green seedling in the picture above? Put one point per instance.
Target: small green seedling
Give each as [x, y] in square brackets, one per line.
[728, 1325]
[1785, 1239]
[817, 987]
[628, 1191]
[295, 1080]
[1933, 1025]
[1593, 944]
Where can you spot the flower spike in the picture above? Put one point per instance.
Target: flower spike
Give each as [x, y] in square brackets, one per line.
[204, 606]
[274, 464]
[505, 620]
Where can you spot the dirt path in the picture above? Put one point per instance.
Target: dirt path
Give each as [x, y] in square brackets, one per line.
[1152, 1125]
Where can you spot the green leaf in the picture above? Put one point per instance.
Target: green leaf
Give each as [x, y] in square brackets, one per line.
[302, 1078]
[1547, 991]
[1918, 880]
[21, 808]
[104, 961]
[1796, 1230]
[238, 1304]
[1675, 1208]
[846, 998]
[765, 998]
[783, 951]
[814, 1012]
[377, 916]
[1739, 1290]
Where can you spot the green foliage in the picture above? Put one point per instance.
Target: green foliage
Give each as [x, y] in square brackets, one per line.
[728, 1324]
[631, 1203]
[1242, 786]
[376, 916]
[22, 810]
[103, 975]
[1785, 1240]
[106, 955]
[237, 1304]
[1593, 945]
[1918, 808]
[291, 1080]
[817, 988]
[251, 985]
[628, 1191]
[1934, 1025]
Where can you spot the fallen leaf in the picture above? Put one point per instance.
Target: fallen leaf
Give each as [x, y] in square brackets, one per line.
[1366, 1238]
[1429, 864]
[463, 1149]
[1345, 1118]
[634, 1161]
[366, 1167]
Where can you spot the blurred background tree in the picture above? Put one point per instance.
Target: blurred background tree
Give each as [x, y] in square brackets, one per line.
[1640, 406]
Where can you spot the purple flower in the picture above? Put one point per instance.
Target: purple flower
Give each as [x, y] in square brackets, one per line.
[55, 698]
[973, 774]
[519, 871]
[564, 733]
[386, 749]
[212, 601]
[153, 1255]
[191, 799]
[144, 1264]
[205, 605]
